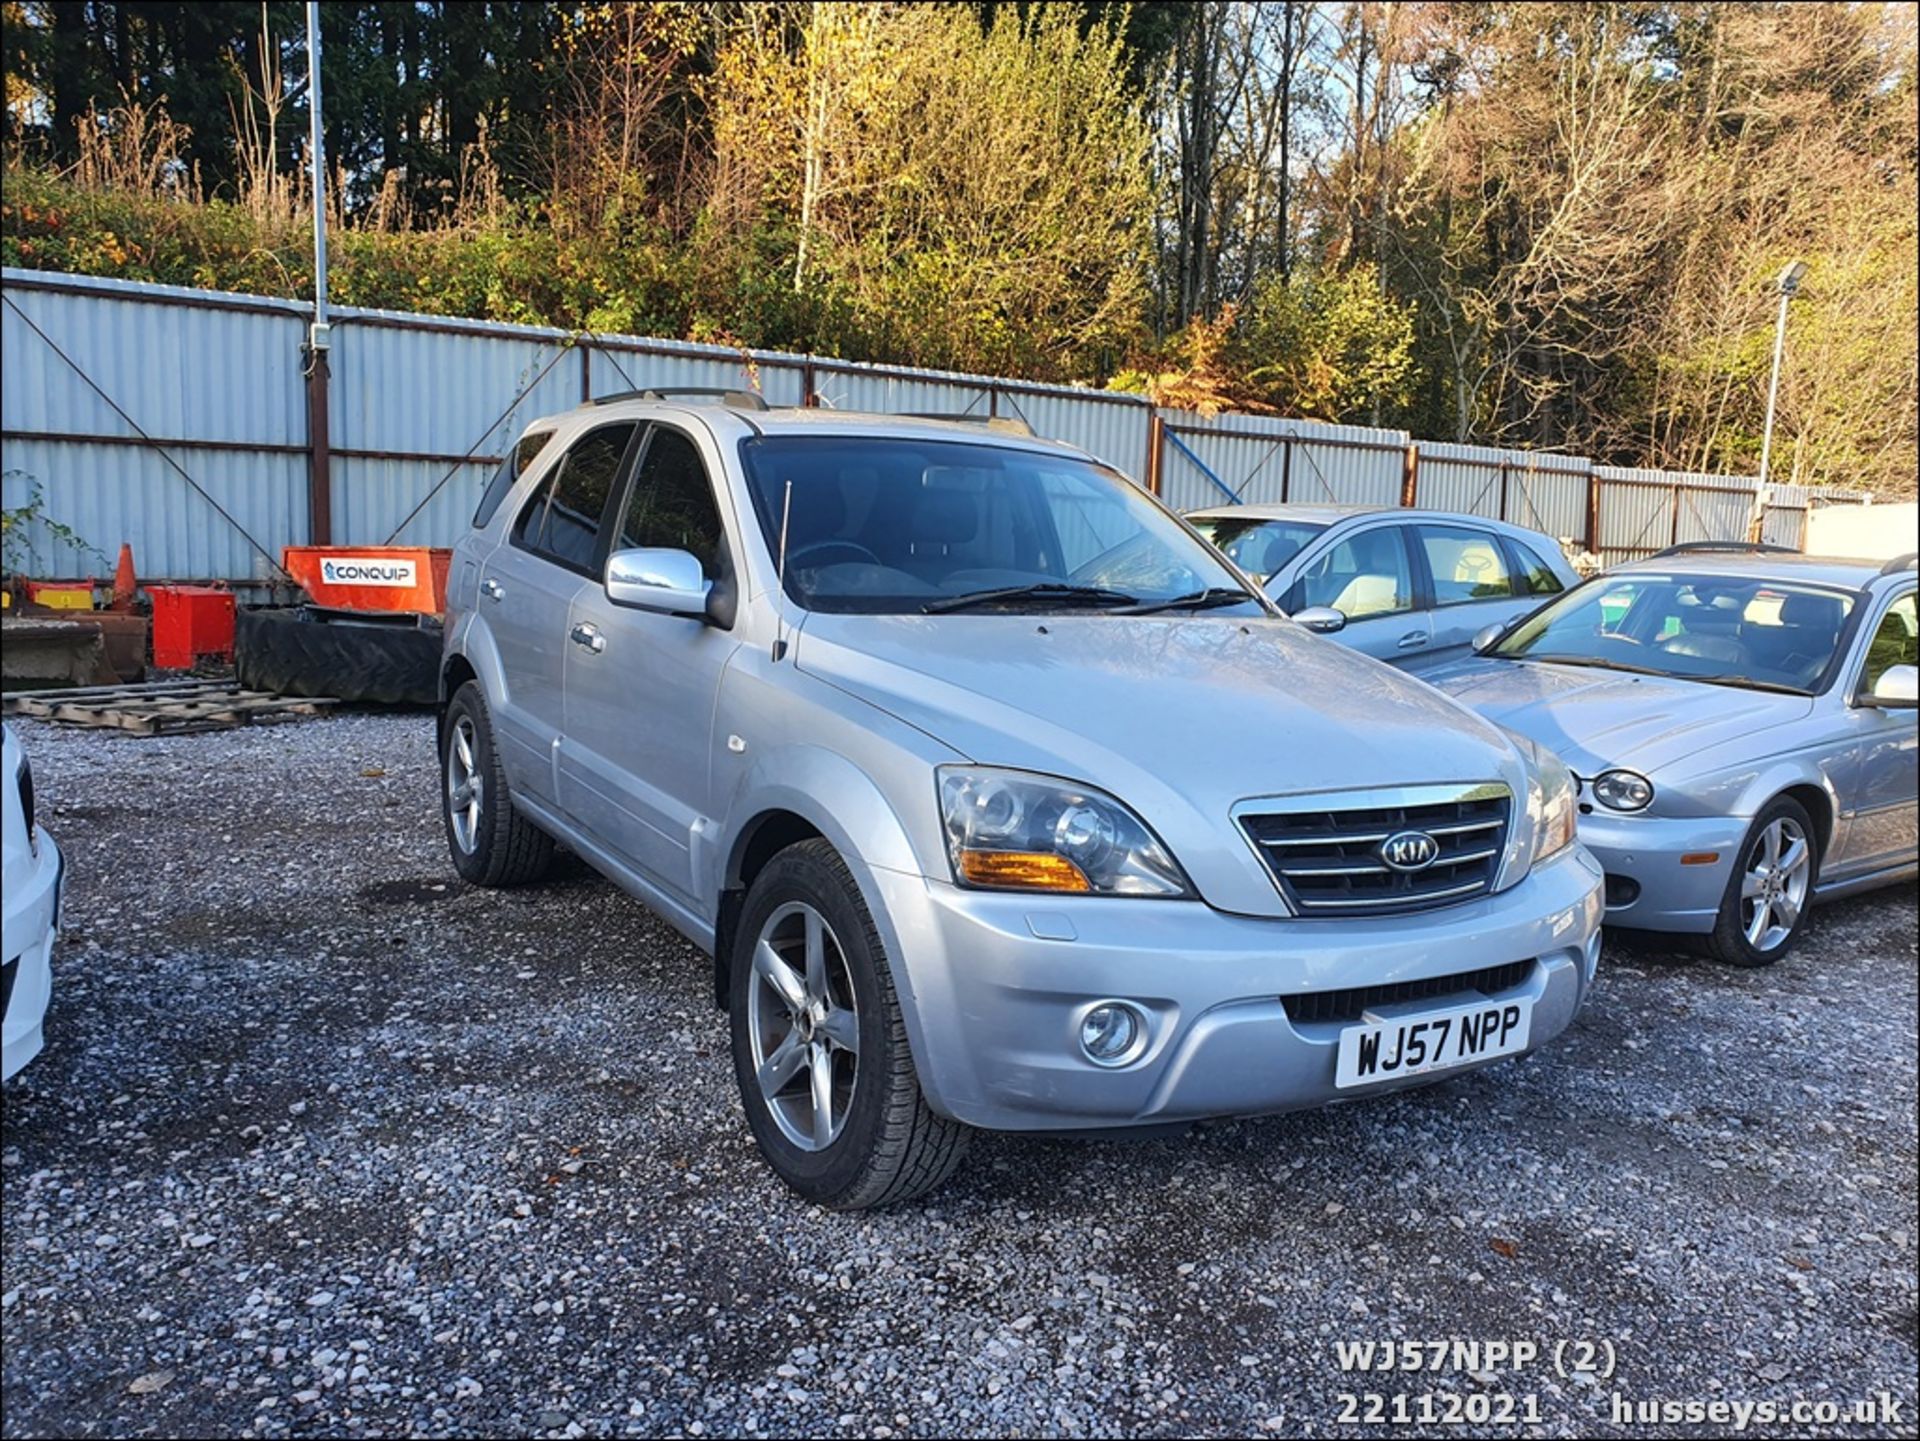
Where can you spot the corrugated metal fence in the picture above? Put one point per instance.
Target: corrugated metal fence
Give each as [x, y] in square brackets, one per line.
[178, 420]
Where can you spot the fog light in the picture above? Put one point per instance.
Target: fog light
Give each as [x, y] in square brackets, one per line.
[1110, 1033]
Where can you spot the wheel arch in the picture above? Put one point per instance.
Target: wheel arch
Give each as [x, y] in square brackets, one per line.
[759, 841]
[1818, 805]
[780, 801]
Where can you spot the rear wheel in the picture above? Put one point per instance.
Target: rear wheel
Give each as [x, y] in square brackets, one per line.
[819, 1045]
[1767, 899]
[491, 842]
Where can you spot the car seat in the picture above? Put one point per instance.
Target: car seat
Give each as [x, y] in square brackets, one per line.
[1366, 595]
[1797, 650]
[1709, 629]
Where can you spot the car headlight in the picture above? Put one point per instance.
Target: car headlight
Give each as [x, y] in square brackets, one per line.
[1623, 790]
[1552, 804]
[1016, 831]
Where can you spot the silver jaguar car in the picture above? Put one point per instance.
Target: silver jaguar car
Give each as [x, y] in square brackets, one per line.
[1742, 723]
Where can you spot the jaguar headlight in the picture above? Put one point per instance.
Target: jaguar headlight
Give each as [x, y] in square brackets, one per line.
[1016, 831]
[1623, 790]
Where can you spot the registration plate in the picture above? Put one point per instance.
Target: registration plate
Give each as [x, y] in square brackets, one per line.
[1390, 1048]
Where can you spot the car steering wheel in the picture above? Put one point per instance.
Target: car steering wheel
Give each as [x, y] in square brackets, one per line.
[847, 550]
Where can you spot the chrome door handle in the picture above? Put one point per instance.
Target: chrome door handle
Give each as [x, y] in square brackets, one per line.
[588, 636]
[1412, 639]
[492, 589]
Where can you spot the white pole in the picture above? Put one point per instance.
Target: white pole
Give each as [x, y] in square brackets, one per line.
[317, 154]
[1773, 388]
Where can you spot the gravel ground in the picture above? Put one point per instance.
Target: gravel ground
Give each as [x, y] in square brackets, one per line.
[324, 1142]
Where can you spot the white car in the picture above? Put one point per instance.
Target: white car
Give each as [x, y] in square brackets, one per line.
[30, 881]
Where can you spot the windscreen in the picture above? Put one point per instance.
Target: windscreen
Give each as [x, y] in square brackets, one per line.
[1259, 547]
[888, 525]
[1727, 629]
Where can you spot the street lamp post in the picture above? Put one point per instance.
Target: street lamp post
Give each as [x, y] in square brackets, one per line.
[319, 333]
[1788, 284]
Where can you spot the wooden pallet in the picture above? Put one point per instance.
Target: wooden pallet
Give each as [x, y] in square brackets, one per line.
[163, 707]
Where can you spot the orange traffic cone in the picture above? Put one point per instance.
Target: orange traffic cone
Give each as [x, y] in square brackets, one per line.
[123, 581]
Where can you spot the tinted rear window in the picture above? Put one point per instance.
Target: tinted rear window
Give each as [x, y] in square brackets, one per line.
[511, 469]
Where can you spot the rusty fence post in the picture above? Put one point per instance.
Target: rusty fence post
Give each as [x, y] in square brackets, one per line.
[319, 450]
[1410, 477]
[1593, 511]
[1156, 429]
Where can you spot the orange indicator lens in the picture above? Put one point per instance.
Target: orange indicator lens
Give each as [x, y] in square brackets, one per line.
[1022, 870]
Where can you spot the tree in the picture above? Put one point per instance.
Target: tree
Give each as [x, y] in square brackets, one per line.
[1333, 346]
[978, 196]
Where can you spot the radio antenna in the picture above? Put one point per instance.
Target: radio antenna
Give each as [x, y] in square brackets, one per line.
[780, 613]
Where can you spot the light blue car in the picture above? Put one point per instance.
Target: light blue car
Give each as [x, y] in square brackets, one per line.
[1409, 587]
[1741, 721]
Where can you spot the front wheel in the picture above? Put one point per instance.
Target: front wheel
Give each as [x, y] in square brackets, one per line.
[1767, 899]
[819, 1045]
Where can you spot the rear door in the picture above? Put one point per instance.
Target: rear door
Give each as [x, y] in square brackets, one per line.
[1472, 585]
[1367, 575]
[636, 762]
[526, 590]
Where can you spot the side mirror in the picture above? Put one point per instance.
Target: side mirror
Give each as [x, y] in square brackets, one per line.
[1487, 637]
[668, 581]
[1897, 689]
[1321, 619]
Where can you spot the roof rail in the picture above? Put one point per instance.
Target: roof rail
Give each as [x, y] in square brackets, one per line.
[1752, 547]
[738, 399]
[1004, 423]
[1900, 563]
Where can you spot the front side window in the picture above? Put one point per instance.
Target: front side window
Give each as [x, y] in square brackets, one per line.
[1728, 630]
[887, 525]
[1893, 643]
[672, 505]
[562, 518]
[511, 469]
[1466, 565]
[1259, 547]
[1363, 576]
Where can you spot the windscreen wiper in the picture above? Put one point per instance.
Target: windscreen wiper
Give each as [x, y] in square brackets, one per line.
[1590, 664]
[1210, 598]
[1745, 683]
[1052, 592]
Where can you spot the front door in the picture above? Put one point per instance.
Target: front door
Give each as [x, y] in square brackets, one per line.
[1367, 576]
[1883, 767]
[526, 591]
[636, 763]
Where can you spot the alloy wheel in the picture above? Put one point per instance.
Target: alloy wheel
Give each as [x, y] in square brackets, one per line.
[803, 1026]
[465, 787]
[1773, 889]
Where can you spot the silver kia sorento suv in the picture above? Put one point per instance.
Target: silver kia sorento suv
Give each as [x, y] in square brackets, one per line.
[997, 796]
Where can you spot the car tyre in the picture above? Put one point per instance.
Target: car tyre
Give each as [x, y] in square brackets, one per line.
[492, 844]
[1771, 889]
[820, 1045]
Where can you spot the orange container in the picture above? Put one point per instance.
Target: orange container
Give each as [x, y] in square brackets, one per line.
[190, 621]
[371, 577]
